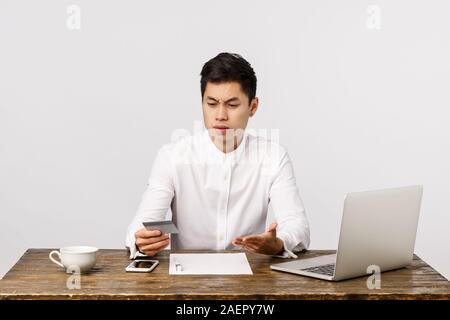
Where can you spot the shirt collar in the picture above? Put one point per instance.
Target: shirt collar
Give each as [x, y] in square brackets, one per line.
[232, 156]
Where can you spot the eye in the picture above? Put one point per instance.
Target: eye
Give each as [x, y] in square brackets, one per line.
[211, 104]
[234, 105]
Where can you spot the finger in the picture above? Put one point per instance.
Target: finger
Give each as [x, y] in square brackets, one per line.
[144, 233]
[254, 239]
[150, 253]
[238, 239]
[253, 244]
[242, 244]
[250, 247]
[146, 241]
[155, 246]
[236, 243]
[153, 252]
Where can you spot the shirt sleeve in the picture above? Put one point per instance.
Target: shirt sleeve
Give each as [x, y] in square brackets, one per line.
[156, 200]
[289, 212]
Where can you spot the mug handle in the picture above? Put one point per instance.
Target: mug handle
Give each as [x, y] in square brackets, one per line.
[54, 260]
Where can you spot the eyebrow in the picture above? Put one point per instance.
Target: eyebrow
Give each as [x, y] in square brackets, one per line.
[227, 101]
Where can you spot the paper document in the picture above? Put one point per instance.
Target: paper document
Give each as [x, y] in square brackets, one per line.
[209, 263]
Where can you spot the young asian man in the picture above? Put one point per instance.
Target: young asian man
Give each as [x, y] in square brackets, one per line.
[219, 183]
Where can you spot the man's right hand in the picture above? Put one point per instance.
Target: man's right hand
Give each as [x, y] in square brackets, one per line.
[151, 242]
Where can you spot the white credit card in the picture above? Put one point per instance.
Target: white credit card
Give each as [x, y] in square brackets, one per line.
[163, 226]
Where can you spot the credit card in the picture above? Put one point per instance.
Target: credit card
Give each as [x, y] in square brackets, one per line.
[163, 226]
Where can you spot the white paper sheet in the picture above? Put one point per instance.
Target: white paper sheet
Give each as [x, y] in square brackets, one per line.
[209, 263]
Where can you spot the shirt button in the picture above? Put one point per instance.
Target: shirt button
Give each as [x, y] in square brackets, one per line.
[221, 238]
[223, 211]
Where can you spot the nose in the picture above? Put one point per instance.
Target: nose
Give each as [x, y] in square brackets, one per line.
[221, 113]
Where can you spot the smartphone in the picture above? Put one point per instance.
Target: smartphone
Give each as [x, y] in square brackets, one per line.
[141, 265]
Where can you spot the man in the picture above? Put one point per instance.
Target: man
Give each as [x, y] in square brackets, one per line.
[220, 182]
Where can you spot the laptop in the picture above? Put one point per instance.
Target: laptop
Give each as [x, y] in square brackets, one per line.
[378, 230]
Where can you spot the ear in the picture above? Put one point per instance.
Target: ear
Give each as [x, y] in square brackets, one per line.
[254, 106]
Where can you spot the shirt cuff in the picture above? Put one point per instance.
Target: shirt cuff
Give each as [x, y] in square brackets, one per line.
[134, 252]
[286, 253]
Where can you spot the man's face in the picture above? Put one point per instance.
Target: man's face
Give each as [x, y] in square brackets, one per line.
[225, 107]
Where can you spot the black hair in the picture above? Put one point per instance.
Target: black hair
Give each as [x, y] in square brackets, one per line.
[226, 67]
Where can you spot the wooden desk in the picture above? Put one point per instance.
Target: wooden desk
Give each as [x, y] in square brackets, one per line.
[35, 277]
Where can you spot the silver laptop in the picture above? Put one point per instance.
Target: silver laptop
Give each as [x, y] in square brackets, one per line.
[378, 229]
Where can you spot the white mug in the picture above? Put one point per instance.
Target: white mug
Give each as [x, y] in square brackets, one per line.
[76, 259]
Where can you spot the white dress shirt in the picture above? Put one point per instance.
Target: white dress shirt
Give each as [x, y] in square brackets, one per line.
[216, 196]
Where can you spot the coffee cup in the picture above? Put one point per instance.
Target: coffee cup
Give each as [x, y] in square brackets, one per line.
[75, 259]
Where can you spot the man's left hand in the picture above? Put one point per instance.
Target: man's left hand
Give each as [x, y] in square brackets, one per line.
[265, 243]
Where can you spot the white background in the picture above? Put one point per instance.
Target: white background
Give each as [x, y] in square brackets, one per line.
[83, 112]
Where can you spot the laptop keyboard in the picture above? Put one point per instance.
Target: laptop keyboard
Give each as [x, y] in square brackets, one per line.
[326, 269]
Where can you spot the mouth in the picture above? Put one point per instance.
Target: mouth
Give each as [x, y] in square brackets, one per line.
[221, 128]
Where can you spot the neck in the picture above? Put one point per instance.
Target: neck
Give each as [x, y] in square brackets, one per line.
[227, 143]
